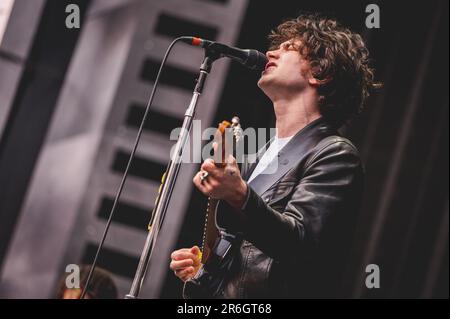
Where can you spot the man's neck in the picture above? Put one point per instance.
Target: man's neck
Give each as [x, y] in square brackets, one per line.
[294, 114]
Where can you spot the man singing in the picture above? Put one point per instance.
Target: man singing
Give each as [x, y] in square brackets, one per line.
[297, 222]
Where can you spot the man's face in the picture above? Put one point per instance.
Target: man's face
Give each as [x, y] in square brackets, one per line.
[286, 70]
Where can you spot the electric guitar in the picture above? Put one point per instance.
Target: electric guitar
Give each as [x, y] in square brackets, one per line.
[216, 250]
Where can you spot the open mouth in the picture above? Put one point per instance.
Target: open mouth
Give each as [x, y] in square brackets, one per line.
[270, 64]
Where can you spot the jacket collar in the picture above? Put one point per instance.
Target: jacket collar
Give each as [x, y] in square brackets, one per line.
[292, 153]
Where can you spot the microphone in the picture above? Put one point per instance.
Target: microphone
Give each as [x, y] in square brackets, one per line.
[252, 59]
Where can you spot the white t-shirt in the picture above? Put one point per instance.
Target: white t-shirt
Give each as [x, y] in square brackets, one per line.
[268, 158]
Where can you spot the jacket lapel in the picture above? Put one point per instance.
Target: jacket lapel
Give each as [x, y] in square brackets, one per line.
[291, 154]
[252, 160]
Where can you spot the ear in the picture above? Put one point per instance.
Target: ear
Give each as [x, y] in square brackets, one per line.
[316, 82]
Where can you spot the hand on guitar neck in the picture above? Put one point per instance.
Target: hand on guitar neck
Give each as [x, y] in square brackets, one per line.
[222, 182]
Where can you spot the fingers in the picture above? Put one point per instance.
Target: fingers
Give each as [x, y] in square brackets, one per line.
[195, 250]
[204, 186]
[185, 254]
[185, 262]
[208, 185]
[231, 170]
[181, 264]
[212, 184]
[185, 274]
[209, 166]
[176, 252]
[231, 160]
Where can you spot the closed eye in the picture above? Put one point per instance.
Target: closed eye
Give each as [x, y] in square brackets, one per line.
[288, 46]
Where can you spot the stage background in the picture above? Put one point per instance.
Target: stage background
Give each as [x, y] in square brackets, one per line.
[71, 101]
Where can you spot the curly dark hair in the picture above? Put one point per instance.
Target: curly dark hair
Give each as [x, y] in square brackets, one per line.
[338, 58]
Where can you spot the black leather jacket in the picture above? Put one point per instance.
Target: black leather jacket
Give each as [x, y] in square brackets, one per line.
[298, 222]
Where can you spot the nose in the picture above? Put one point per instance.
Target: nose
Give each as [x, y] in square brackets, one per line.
[271, 54]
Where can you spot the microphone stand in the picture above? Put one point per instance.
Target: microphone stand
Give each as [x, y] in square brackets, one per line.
[170, 177]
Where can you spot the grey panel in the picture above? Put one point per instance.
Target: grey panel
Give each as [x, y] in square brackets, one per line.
[74, 171]
[14, 48]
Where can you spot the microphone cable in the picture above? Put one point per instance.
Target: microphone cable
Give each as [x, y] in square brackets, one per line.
[125, 174]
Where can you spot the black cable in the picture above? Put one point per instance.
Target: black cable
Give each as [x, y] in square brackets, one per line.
[125, 174]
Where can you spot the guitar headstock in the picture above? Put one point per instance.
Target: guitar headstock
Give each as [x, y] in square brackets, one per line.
[226, 142]
[237, 129]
